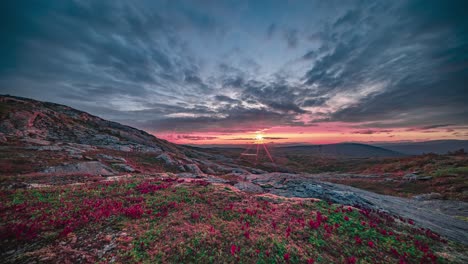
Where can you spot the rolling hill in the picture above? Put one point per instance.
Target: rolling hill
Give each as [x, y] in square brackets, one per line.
[348, 150]
[435, 146]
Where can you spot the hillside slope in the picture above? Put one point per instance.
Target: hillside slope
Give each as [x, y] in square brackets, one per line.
[25, 121]
[80, 189]
[435, 146]
[43, 137]
[351, 150]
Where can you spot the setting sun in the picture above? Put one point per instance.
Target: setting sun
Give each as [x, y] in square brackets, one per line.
[259, 137]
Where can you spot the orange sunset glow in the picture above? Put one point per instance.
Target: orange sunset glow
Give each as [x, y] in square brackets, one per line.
[320, 134]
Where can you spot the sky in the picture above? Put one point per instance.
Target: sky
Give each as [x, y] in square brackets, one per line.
[220, 72]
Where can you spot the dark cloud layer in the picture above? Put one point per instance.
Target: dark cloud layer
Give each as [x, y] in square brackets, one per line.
[222, 65]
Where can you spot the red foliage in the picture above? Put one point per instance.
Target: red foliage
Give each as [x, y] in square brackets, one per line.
[351, 260]
[134, 211]
[358, 240]
[235, 249]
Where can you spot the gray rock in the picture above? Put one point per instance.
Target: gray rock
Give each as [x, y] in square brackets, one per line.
[111, 158]
[148, 149]
[88, 167]
[416, 177]
[188, 175]
[423, 213]
[249, 187]
[49, 148]
[166, 158]
[239, 171]
[427, 196]
[257, 171]
[193, 168]
[209, 171]
[216, 180]
[123, 167]
[125, 148]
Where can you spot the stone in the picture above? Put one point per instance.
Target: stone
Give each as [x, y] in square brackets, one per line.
[249, 187]
[415, 177]
[87, 167]
[123, 167]
[193, 168]
[188, 175]
[427, 196]
[111, 158]
[166, 158]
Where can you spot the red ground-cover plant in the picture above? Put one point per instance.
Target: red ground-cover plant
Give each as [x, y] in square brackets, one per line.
[162, 221]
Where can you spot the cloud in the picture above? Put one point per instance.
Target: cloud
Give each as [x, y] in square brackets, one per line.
[437, 126]
[271, 30]
[370, 132]
[291, 37]
[227, 99]
[196, 138]
[252, 138]
[201, 66]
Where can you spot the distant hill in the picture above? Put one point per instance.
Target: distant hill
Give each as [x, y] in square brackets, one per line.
[436, 146]
[25, 121]
[43, 137]
[350, 150]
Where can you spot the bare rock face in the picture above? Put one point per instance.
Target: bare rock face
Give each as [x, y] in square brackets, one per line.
[111, 158]
[427, 196]
[193, 168]
[306, 186]
[124, 167]
[39, 123]
[416, 177]
[89, 167]
[167, 159]
[249, 187]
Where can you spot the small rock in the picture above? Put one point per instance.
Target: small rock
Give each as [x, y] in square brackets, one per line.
[111, 158]
[123, 167]
[88, 167]
[415, 177]
[427, 196]
[166, 158]
[193, 168]
[249, 187]
[188, 175]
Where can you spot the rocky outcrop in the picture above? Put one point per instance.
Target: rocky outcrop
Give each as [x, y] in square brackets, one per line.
[307, 186]
[427, 196]
[42, 123]
[166, 159]
[416, 177]
[193, 168]
[124, 167]
[89, 167]
[111, 158]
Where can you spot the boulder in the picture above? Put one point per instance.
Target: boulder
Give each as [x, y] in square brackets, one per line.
[111, 158]
[123, 167]
[188, 175]
[416, 177]
[427, 196]
[166, 158]
[193, 168]
[249, 187]
[88, 167]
